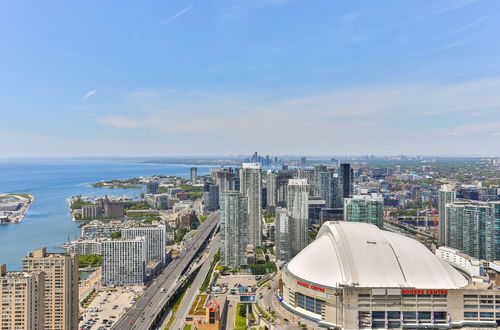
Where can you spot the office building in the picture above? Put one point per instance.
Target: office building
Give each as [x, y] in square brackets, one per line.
[474, 227]
[124, 262]
[251, 187]
[446, 195]
[355, 276]
[156, 241]
[194, 174]
[23, 300]
[152, 187]
[317, 169]
[365, 208]
[61, 286]
[297, 195]
[233, 229]
[282, 234]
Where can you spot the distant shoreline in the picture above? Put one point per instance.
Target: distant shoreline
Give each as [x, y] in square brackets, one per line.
[24, 198]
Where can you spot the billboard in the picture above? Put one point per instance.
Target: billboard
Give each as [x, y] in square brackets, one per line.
[248, 298]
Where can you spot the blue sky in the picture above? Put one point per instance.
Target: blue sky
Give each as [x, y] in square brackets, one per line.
[163, 78]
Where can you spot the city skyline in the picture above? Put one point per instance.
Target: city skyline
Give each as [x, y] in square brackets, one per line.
[94, 79]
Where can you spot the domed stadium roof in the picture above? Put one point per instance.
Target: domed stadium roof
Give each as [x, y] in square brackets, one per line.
[360, 254]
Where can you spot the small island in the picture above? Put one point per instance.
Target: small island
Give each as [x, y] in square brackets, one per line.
[14, 206]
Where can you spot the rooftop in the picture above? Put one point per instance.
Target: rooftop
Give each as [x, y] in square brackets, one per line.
[360, 254]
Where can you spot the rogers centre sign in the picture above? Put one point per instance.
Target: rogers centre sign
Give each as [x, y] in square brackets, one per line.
[312, 287]
[421, 291]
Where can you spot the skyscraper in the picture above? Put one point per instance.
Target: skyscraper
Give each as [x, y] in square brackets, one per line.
[124, 261]
[233, 229]
[317, 169]
[345, 180]
[299, 214]
[251, 187]
[194, 174]
[23, 299]
[61, 286]
[365, 208]
[152, 187]
[155, 240]
[446, 195]
[282, 234]
[271, 188]
[473, 227]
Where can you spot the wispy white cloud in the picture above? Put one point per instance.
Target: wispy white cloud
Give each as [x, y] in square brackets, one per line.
[88, 95]
[177, 15]
[348, 118]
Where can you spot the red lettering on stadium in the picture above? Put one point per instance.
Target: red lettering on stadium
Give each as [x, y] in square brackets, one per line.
[422, 291]
[312, 287]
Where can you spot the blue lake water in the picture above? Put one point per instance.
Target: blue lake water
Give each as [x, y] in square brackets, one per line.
[52, 182]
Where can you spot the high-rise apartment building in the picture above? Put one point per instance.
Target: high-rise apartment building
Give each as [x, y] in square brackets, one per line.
[297, 204]
[281, 187]
[251, 187]
[124, 262]
[345, 175]
[282, 234]
[211, 197]
[317, 169]
[152, 187]
[194, 174]
[61, 286]
[446, 195]
[155, 240]
[473, 227]
[365, 208]
[23, 300]
[233, 229]
[271, 188]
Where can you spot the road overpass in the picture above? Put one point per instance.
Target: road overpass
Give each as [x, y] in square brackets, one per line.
[148, 312]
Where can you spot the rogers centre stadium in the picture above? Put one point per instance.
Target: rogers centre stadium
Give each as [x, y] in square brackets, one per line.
[355, 275]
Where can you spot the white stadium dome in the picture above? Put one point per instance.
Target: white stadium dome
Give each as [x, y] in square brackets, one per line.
[362, 255]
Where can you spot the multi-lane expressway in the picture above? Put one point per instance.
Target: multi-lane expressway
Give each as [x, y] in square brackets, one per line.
[147, 312]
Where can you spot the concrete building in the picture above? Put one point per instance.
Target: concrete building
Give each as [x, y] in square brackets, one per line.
[194, 174]
[474, 227]
[233, 229]
[93, 211]
[251, 187]
[61, 286]
[365, 208]
[85, 247]
[23, 300]
[156, 241]
[297, 198]
[124, 262]
[157, 201]
[356, 276]
[446, 195]
[152, 187]
[282, 235]
[98, 229]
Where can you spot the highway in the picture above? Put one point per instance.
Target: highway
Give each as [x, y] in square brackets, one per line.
[144, 312]
[192, 292]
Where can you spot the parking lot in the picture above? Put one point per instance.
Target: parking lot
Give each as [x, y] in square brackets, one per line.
[107, 307]
[231, 281]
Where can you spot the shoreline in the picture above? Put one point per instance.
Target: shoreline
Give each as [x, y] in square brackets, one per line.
[24, 209]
